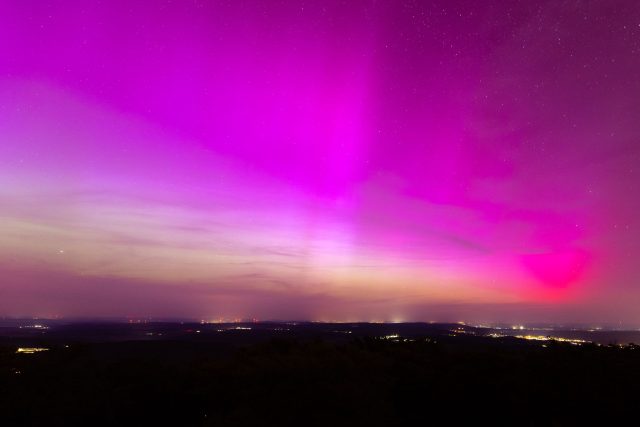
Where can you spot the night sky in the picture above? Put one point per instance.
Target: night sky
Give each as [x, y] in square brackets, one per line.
[321, 160]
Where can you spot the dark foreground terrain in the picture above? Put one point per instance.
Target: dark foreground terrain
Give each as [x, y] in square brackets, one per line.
[287, 374]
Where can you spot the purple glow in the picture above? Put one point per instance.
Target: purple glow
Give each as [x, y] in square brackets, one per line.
[320, 160]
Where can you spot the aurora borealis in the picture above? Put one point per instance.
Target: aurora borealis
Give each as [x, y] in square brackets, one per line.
[322, 160]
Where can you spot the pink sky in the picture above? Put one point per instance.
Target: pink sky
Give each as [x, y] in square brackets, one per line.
[332, 160]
